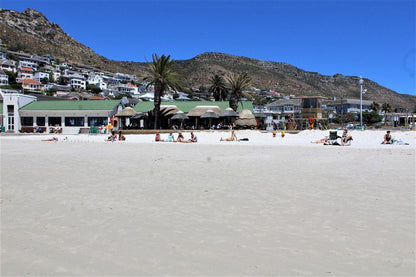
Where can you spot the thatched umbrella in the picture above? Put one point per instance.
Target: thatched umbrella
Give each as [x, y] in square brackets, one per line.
[200, 110]
[210, 115]
[180, 115]
[229, 113]
[246, 119]
[125, 116]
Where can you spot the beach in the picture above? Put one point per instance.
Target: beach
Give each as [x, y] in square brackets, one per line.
[82, 206]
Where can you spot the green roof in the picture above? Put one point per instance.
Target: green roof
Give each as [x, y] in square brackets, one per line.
[72, 105]
[186, 106]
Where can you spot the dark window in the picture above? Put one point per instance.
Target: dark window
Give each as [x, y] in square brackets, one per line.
[40, 121]
[97, 121]
[27, 121]
[55, 121]
[74, 121]
[10, 109]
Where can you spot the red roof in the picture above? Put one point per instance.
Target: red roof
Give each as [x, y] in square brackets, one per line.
[97, 97]
[131, 85]
[26, 68]
[31, 81]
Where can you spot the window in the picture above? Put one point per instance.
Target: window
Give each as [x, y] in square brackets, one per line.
[55, 121]
[74, 121]
[27, 121]
[40, 121]
[97, 121]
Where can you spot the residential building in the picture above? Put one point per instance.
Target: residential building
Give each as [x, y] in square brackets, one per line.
[282, 108]
[343, 106]
[31, 84]
[28, 62]
[25, 73]
[8, 65]
[4, 78]
[40, 75]
[77, 81]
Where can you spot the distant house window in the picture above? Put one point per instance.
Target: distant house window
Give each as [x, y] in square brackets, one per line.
[74, 121]
[27, 121]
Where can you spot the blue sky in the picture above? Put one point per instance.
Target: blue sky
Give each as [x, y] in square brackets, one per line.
[373, 39]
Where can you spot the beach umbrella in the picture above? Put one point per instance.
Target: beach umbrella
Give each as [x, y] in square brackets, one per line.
[229, 113]
[180, 115]
[209, 114]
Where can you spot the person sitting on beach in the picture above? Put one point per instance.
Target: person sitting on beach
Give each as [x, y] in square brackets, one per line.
[51, 139]
[157, 137]
[193, 138]
[180, 138]
[387, 138]
[171, 138]
[113, 136]
[232, 138]
[346, 137]
[121, 137]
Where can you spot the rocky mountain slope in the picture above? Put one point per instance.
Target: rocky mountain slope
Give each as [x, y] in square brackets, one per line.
[30, 31]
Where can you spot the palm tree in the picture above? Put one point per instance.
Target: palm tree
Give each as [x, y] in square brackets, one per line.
[385, 108]
[375, 106]
[163, 77]
[218, 88]
[238, 83]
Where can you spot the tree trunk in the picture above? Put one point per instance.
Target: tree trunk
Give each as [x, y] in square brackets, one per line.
[157, 112]
[233, 103]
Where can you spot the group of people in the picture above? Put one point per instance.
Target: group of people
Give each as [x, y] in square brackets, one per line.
[180, 138]
[114, 136]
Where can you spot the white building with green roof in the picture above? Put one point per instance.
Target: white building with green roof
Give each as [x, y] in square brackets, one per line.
[69, 115]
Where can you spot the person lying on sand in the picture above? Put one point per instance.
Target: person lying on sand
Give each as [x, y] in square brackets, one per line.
[51, 139]
[322, 140]
[232, 138]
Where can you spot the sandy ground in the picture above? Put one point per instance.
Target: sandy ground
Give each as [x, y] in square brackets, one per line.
[269, 206]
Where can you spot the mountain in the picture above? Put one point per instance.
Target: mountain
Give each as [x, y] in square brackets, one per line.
[31, 32]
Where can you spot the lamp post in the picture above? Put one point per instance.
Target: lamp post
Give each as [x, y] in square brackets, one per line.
[361, 82]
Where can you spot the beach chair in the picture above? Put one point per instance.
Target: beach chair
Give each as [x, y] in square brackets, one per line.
[333, 137]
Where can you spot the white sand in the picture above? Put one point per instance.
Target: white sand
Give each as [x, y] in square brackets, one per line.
[269, 206]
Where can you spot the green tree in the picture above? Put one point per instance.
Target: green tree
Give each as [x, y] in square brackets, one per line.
[238, 83]
[163, 77]
[386, 108]
[94, 89]
[12, 77]
[375, 106]
[63, 81]
[51, 78]
[218, 88]
[371, 117]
